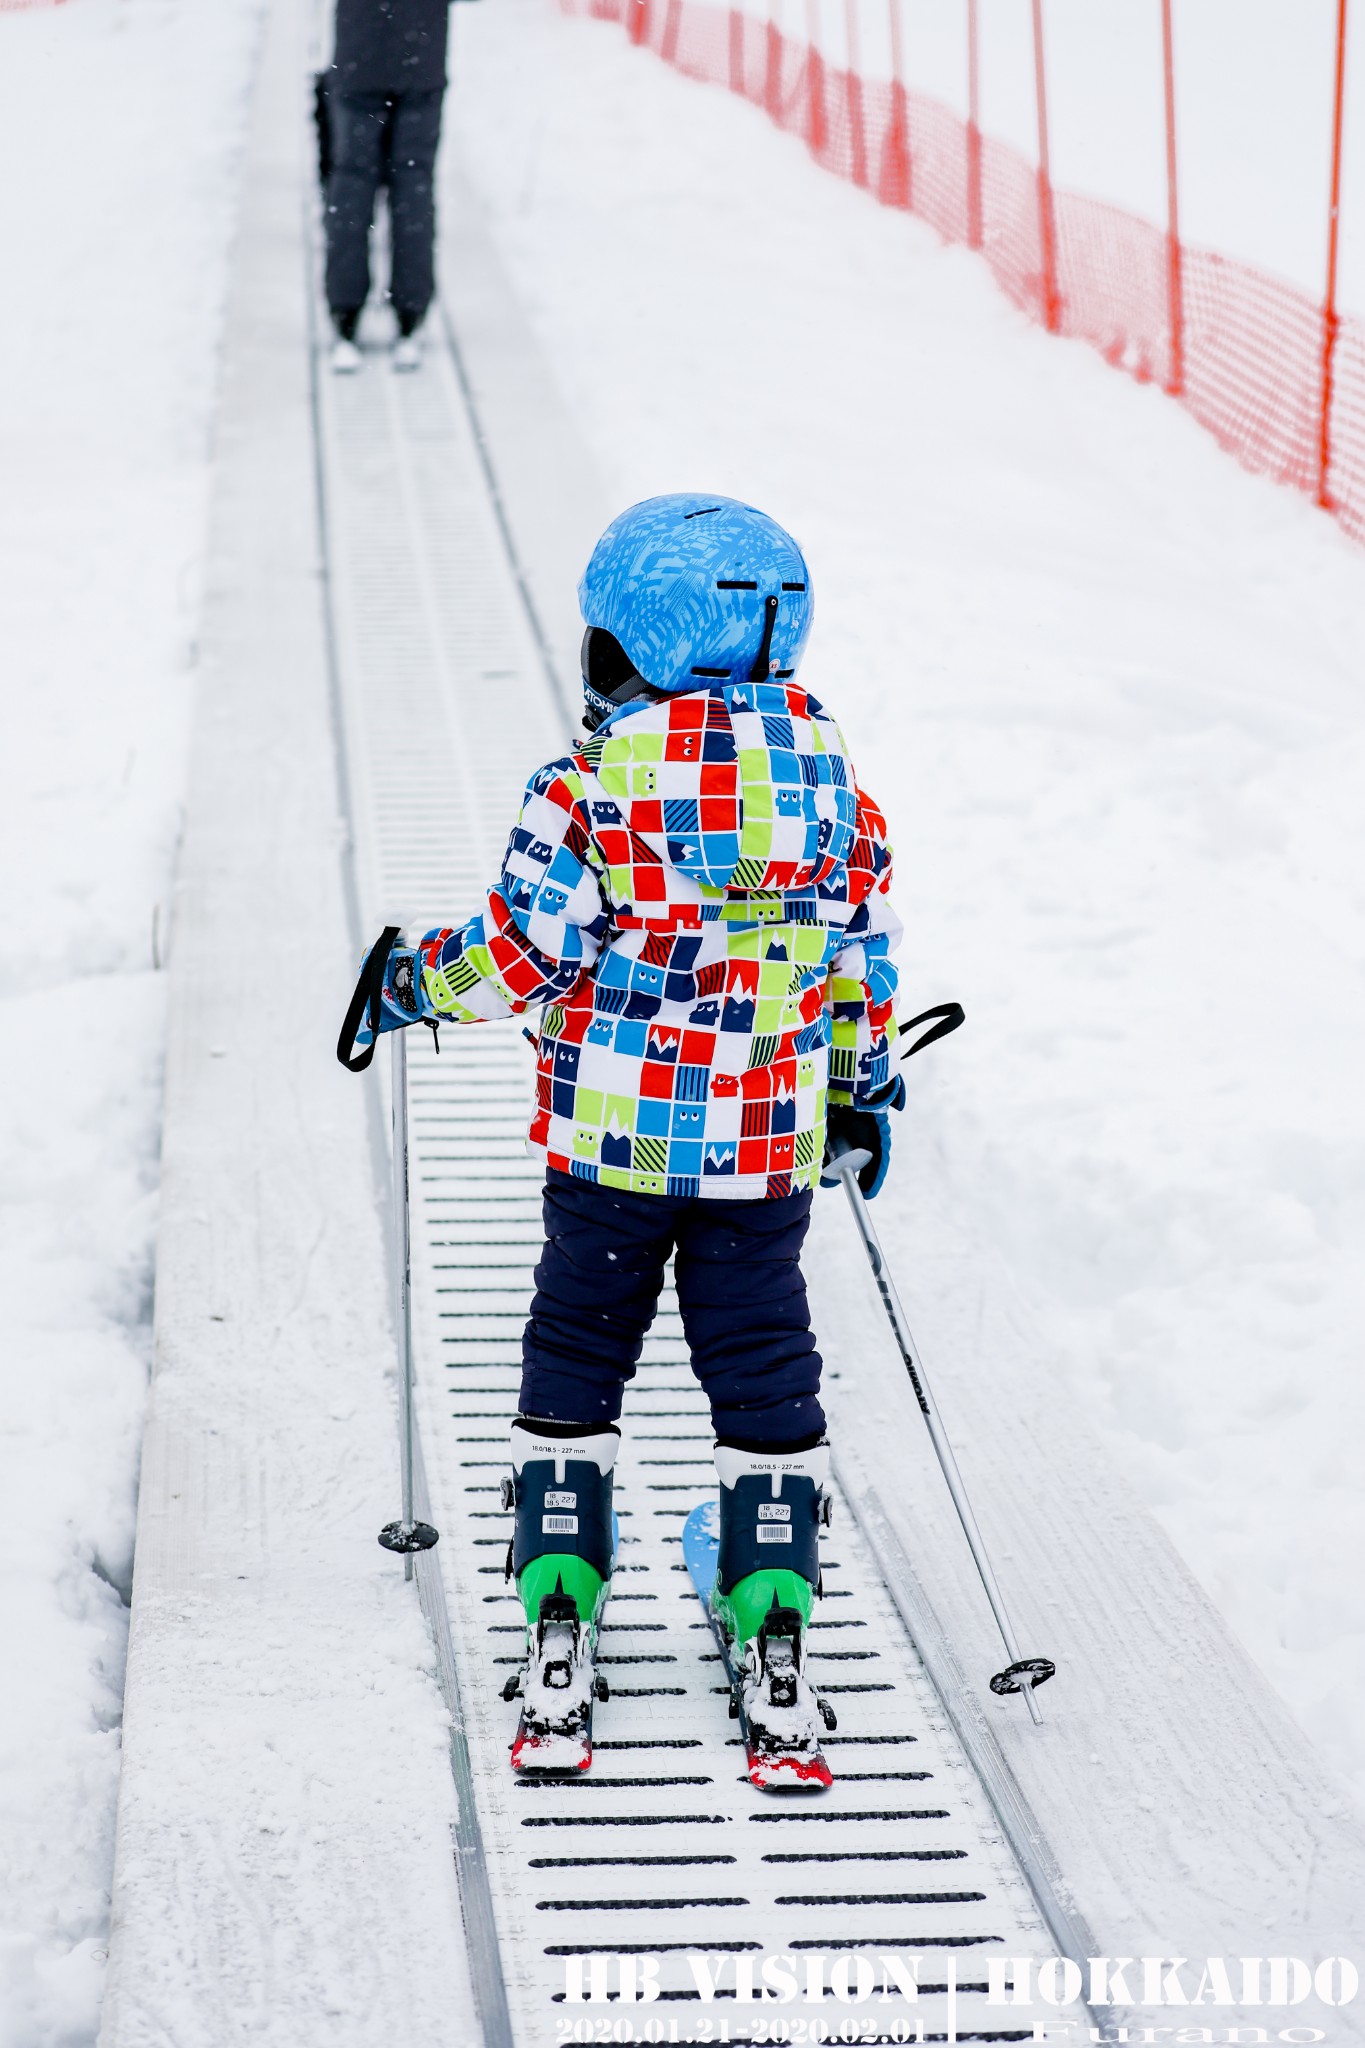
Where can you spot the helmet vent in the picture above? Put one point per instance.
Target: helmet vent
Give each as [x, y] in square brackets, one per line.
[763, 667]
[722, 673]
[724, 583]
[701, 512]
[788, 586]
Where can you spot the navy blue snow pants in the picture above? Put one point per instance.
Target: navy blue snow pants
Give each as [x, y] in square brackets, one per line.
[740, 1289]
[373, 135]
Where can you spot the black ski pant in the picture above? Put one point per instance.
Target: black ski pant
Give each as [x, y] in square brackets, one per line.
[737, 1266]
[376, 136]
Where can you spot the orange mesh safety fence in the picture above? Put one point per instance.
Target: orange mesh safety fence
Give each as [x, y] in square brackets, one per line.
[1250, 362]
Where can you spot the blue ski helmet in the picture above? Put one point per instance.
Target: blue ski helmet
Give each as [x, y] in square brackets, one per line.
[685, 590]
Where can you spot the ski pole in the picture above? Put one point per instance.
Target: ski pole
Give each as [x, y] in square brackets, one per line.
[1021, 1674]
[406, 1535]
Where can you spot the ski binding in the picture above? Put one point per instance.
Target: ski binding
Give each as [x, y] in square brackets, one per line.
[781, 1718]
[559, 1683]
[557, 1689]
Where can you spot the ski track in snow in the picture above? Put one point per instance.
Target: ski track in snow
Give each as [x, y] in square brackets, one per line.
[1108, 689]
[122, 124]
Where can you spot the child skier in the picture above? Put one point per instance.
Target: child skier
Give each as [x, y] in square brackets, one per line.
[696, 899]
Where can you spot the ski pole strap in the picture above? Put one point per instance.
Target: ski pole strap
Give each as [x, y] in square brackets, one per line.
[949, 1016]
[367, 995]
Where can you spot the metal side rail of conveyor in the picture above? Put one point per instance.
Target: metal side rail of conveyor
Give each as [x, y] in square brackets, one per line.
[664, 1849]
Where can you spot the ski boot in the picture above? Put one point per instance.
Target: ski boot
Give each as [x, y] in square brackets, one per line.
[561, 1556]
[345, 356]
[772, 1507]
[407, 346]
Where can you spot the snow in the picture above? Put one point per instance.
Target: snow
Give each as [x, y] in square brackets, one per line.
[122, 122]
[1107, 688]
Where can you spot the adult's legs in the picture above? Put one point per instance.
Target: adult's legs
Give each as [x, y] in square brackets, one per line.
[412, 204]
[743, 1299]
[357, 123]
[597, 1286]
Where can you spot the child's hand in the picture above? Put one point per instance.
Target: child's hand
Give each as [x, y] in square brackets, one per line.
[396, 1001]
[864, 1127]
[400, 993]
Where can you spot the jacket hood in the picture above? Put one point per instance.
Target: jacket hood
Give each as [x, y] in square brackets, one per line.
[741, 786]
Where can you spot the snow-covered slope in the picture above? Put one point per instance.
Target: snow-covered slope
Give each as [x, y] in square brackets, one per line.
[1187, 1812]
[1108, 689]
[121, 124]
[1106, 686]
[285, 1865]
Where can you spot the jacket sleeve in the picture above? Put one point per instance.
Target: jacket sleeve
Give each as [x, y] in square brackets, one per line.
[863, 978]
[540, 926]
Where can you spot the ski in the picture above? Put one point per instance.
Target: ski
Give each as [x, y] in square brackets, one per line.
[558, 1688]
[780, 1717]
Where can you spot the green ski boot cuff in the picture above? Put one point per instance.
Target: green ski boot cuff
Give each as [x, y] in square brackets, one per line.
[562, 1573]
[743, 1609]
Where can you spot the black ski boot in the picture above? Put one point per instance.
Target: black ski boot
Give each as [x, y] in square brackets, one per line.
[561, 1555]
[772, 1506]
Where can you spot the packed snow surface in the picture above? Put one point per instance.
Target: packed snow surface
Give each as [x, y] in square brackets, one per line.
[120, 130]
[1108, 689]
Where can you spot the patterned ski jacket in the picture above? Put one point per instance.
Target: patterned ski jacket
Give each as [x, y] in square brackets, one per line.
[697, 899]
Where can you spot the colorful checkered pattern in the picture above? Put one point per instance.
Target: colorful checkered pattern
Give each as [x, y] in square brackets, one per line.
[697, 899]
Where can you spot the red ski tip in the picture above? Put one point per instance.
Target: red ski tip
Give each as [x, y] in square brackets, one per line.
[789, 1773]
[558, 1753]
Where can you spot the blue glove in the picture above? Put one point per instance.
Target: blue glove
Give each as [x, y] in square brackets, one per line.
[398, 1000]
[862, 1127]
[400, 993]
